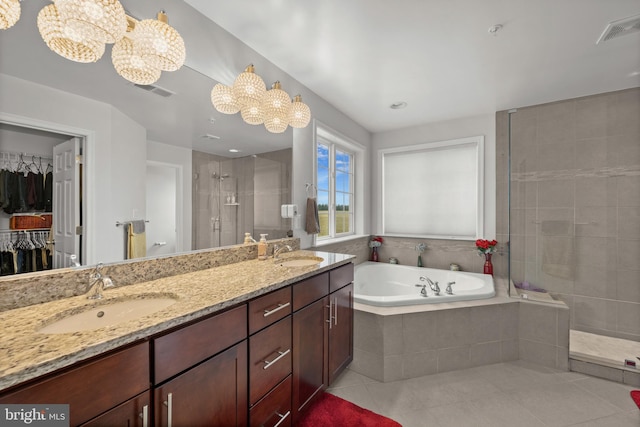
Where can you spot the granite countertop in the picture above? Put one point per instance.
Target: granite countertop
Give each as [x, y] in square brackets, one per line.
[26, 353]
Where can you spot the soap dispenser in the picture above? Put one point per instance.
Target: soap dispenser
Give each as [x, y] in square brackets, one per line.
[262, 247]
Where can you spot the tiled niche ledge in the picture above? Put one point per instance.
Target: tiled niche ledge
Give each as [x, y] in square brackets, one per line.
[35, 288]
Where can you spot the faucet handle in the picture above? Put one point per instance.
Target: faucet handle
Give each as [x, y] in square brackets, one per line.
[107, 283]
[449, 290]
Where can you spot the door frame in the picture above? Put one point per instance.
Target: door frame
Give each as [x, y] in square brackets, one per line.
[179, 171]
[88, 182]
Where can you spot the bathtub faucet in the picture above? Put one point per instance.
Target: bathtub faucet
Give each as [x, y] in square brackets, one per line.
[423, 291]
[434, 286]
[449, 291]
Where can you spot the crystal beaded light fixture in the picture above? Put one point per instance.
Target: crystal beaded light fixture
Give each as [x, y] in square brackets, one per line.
[224, 100]
[100, 20]
[9, 13]
[300, 114]
[130, 65]
[63, 40]
[252, 114]
[159, 44]
[276, 106]
[249, 88]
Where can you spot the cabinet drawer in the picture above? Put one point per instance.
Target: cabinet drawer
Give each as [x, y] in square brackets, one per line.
[275, 408]
[94, 387]
[269, 358]
[269, 308]
[135, 412]
[310, 290]
[181, 349]
[340, 277]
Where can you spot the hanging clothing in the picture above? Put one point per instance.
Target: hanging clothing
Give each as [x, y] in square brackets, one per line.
[48, 192]
[39, 192]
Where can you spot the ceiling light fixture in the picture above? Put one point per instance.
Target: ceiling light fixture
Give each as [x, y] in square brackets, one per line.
[224, 100]
[159, 44]
[63, 40]
[9, 13]
[300, 114]
[79, 29]
[276, 107]
[257, 105]
[100, 20]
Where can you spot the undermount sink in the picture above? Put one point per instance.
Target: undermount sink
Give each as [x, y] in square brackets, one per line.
[299, 261]
[107, 314]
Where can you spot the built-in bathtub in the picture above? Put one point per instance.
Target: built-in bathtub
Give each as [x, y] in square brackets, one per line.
[391, 285]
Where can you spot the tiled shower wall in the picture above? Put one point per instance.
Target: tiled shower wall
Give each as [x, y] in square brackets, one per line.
[575, 205]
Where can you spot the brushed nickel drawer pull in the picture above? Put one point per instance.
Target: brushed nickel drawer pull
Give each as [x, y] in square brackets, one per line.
[145, 416]
[279, 307]
[281, 355]
[169, 405]
[282, 418]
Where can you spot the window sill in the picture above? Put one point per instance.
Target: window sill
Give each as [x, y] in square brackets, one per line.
[327, 242]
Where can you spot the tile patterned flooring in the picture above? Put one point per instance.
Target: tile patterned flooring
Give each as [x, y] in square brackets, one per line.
[513, 394]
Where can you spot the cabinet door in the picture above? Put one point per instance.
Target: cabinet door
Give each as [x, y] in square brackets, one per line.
[213, 393]
[135, 412]
[340, 331]
[310, 345]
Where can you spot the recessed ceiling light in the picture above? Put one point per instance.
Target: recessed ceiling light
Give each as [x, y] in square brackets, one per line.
[495, 28]
[212, 120]
[233, 150]
[398, 105]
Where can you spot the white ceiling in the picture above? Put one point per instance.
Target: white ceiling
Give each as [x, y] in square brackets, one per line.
[360, 56]
[437, 55]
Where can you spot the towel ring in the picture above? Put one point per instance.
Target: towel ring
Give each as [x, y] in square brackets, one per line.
[314, 190]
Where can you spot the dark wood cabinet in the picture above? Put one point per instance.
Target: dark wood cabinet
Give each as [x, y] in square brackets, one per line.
[92, 387]
[134, 412]
[322, 333]
[213, 393]
[260, 363]
[340, 331]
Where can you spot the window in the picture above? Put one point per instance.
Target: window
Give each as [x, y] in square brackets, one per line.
[434, 190]
[335, 184]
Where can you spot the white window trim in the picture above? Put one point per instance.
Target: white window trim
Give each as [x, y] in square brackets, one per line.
[324, 132]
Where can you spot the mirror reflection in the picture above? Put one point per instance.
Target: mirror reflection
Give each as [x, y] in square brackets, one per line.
[123, 153]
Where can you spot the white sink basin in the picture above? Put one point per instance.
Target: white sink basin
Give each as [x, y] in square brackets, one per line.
[107, 315]
[300, 261]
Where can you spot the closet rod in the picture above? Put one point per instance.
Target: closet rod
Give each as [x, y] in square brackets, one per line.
[25, 156]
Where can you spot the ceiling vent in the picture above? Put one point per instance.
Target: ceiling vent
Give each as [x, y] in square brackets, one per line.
[621, 27]
[156, 89]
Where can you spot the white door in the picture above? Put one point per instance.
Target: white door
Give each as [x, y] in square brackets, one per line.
[161, 231]
[66, 202]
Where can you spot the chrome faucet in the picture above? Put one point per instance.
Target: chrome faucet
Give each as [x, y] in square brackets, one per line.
[449, 290]
[423, 291]
[434, 286]
[278, 249]
[98, 283]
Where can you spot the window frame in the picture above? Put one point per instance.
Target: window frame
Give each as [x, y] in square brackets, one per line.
[336, 142]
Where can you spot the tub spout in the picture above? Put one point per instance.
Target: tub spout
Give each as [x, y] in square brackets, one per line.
[434, 286]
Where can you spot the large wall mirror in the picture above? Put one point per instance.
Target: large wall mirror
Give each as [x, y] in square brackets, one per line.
[159, 153]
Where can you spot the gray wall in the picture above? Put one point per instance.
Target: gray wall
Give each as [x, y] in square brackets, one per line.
[575, 205]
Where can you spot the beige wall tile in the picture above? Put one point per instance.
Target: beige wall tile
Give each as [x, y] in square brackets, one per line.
[628, 285]
[628, 317]
[626, 147]
[509, 321]
[485, 323]
[631, 378]
[537, 352]
[485, 353]
[453, 328]
[629, 222]
[628, 254]
[597, 252]
[599, 371]
[597, 282]
[452, 359]
[591, 116]
[392, 331]
[367, 332]
[628, 193]
[597, 221]
[510, 350]
[556, 157]
[623, 111]
[420, 331]
[556, 193]
[556, 123]
[594, 313]
[419, 364]
[596, 191]
[368, 364]
[393, 366]
[538, 323]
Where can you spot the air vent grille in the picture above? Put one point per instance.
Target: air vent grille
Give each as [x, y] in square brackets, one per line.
[156, 89]
[620, 27]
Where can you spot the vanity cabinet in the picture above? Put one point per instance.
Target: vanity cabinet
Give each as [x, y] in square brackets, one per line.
[135, 412]
[94, 387]
[270, 352]
[322, 333]
[197, 382]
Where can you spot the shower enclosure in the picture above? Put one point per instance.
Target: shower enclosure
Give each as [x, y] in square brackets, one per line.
[235, 196]
[571, 170]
